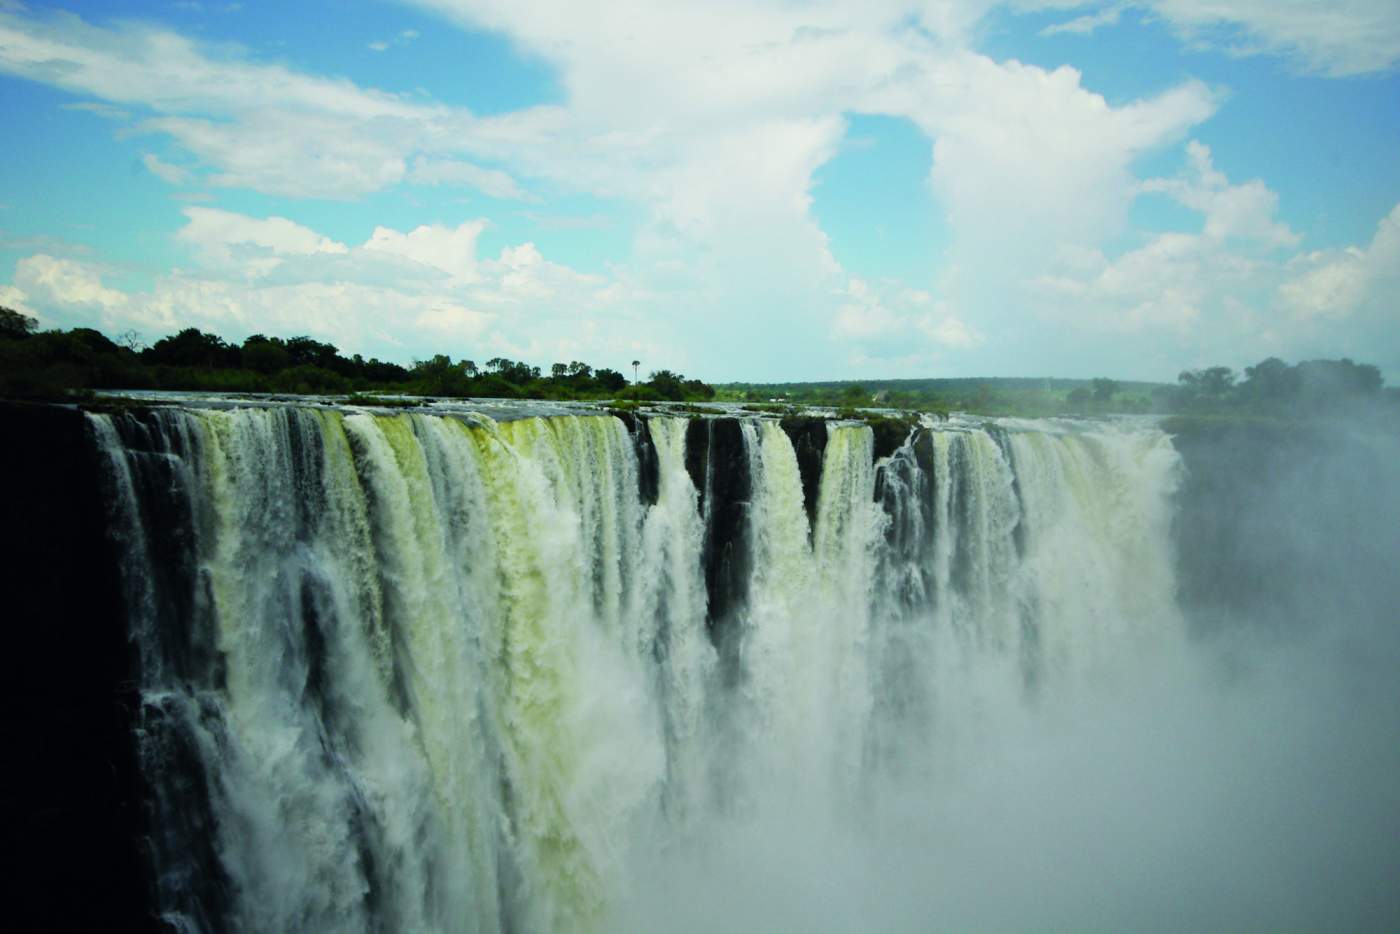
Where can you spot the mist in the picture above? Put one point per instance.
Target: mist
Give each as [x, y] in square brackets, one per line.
[1241, 776]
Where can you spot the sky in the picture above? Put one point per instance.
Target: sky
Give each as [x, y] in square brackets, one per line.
[759, 190]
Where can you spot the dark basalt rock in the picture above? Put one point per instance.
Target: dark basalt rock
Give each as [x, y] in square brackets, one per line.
[890, 433]
[648, 467]
[697, 455]
[726, 487]
[923, 451]
[808, 435]
[69, 792]
[165, 492]
[180, 828]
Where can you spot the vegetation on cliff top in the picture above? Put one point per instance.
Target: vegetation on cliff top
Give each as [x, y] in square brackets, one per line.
[56, 364]
[1271, 388]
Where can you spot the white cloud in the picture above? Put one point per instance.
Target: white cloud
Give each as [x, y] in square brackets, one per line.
[172, 174]
[403, 38]
[96, 108]
[1245, 212]
[950, 332]
[15, 299]
[276, 276]
[1356, 280]
[491, 182]
[296, 155]
[261, 126]
[1021, 152]
[453, 322]
[236, 242]
[1232, 293]
[894, 324]
[1086, 24]
[709, 120]
[64, 282]
[691, 110]
[1336, 38]
[172, 74]
[451, 250]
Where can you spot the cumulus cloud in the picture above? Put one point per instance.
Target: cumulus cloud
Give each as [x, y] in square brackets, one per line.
[1021, 153]
[892, 328]
[249, 245]
[66, 283]
[709, 121]
[1352, 281]
[1245, 211]
[14, 299]
[1236, 283]
[274, 275]
[451, 250]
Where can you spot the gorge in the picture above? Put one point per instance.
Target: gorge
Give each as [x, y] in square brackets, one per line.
[573, 669]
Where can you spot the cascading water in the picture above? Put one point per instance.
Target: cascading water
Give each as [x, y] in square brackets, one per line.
[419, 672]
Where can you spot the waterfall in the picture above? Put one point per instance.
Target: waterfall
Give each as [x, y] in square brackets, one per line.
[444, 673]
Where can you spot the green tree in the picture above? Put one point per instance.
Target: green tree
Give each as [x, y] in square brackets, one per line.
[1211, 386]
[1270, 381]
[14, 325]
[193, 348]
[1104, 389]
[265, 354]
[306, 351]
[698, 389]
[667, 385]
[1324, 381]
[610, 380]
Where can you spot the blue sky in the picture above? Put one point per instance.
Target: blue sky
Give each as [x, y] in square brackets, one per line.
[755, 190]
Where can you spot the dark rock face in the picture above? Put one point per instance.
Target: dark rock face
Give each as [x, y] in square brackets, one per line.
[808, 436]
[697, 455]
[890, 434]
[648, 467]
[716, 452]
[70, 797]
[164, 490]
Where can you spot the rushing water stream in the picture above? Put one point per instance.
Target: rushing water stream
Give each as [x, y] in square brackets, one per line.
[441, 673]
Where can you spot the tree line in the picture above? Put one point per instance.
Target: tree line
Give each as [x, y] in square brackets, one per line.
[1270, 387]
[1273, 386]
[55, 363]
